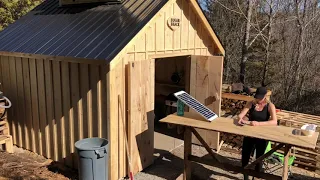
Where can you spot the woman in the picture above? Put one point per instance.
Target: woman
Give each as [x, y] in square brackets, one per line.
[261, 113]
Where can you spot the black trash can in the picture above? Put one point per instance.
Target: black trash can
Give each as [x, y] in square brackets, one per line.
[93, 158]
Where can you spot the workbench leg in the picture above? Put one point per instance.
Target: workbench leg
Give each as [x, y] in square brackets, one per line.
[187, 152]
[286, 162]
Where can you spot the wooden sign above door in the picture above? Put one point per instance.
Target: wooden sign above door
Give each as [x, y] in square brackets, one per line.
[174, 22]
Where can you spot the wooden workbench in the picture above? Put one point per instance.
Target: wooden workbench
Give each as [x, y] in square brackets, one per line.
[280, 134]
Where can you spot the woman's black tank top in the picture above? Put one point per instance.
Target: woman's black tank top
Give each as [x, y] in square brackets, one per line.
[259, 116]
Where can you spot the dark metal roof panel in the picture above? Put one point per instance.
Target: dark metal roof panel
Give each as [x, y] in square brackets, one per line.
[92, 31]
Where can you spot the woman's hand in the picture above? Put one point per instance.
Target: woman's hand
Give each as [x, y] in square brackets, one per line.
[254, 123]
[242, 121]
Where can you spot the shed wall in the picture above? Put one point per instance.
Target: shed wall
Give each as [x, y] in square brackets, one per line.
[192, 37]
[54, 104]
[156, 39]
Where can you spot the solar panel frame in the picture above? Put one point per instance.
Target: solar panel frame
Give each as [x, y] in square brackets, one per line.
[191, 102]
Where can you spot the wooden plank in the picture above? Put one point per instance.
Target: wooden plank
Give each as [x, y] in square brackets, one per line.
[54, 58]
[134, 104]
[193, 89]
[66, 131]
[35, 106]
[84, 106]
[201, 84]
[168, 37]
[21, 100]
[56, 69]
[104, 98]
[51, 121]
[13, 98]
[76, 104]
[184, 24]
[286, 161]
[213, 98]
[159, 32]
[27, 104]
[94, 80]
[113, 124]
[120, 76]
[279, 134]
[208, 27]
[187, 153]
[140, 122]
[177, 32]
[43, 135]
[237, 97]
[150, 40]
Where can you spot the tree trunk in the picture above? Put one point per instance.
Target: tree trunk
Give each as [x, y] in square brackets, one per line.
[266, 62]
[245, 45]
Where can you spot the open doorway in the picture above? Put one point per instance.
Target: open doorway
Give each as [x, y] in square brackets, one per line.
[171, 75]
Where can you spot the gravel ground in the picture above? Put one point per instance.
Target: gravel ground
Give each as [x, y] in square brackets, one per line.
[169, 166]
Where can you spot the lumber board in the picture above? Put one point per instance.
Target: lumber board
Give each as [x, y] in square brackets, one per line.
[21, 100]
[56, 69]
[121, 119]
[207, 26]
[206, 77]
[140, 121]
[177, 33]
[168, 37]
[28, 105]
[113, 126]
[237, 97]
[184, 24]
[278, 134]
[94, 79]
[84, 119]
[35, 106]
[13, 98]
[215, 68]
[66, 99]
[42, 108]
[76, 104]
[52, 149]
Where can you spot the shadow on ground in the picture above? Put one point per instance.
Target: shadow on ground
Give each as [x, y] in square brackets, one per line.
[170, 167]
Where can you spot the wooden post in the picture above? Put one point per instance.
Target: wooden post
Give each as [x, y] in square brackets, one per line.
[286, 161]
[187, 152]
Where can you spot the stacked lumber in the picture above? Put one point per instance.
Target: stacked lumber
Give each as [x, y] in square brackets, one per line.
[307, 158]
[232, 106]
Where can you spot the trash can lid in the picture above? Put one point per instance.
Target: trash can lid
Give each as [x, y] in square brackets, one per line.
[90, 144]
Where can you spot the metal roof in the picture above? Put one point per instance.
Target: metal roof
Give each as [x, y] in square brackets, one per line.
[92, 31]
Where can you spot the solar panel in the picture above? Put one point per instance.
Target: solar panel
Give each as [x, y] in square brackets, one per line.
[196, 105]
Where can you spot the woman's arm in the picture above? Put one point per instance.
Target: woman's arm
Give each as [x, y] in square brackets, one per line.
[244, 112]
[273, 120]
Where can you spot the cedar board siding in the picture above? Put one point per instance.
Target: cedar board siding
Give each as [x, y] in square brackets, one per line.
[54, 104]
[157, 38]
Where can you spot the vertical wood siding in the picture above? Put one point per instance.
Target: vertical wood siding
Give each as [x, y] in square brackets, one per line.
[191, 37]
[54, 104]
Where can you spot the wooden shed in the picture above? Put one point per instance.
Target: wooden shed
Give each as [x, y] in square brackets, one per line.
[95, 70]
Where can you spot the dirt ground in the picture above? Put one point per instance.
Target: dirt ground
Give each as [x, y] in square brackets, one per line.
[169, 166]
[25, 165]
